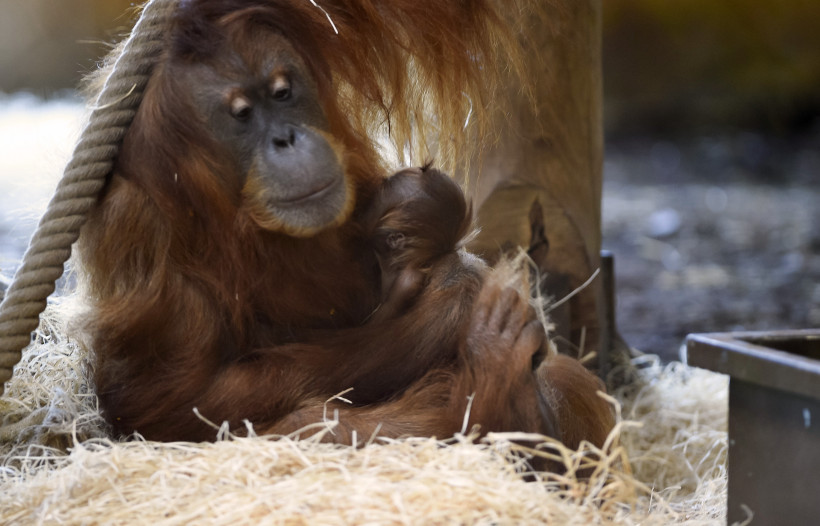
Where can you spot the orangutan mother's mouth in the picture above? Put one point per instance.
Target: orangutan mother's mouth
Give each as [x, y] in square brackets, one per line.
[314, 193]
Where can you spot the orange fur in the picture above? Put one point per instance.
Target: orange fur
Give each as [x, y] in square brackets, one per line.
[415, 69]
[570, 390]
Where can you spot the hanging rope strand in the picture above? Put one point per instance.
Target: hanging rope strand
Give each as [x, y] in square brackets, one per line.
[80, 186]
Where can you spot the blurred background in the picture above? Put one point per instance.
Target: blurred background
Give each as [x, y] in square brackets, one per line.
[712, 116]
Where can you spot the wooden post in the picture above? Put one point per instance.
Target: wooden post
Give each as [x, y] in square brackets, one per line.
[539, 185]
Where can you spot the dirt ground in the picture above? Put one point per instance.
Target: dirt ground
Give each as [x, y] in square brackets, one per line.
[713, 234]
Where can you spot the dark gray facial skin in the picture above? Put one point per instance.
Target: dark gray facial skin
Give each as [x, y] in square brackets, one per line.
[268, 115]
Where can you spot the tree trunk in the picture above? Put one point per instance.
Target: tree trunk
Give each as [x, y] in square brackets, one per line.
[539, 185]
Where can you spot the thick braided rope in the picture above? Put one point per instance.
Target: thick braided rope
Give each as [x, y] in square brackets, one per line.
[79, 188]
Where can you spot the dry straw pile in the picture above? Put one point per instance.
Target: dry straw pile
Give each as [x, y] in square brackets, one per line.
[665, 464]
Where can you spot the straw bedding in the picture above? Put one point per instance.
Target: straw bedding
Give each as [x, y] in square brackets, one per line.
[665, 463]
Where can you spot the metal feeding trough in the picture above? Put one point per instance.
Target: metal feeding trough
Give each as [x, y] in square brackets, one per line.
[774, 421]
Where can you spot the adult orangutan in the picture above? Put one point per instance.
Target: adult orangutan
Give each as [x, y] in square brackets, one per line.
[229, 265]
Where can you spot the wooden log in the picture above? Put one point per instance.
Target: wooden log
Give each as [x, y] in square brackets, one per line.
[549, 157]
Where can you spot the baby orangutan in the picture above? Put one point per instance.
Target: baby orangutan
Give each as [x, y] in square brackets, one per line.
[419, 219]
